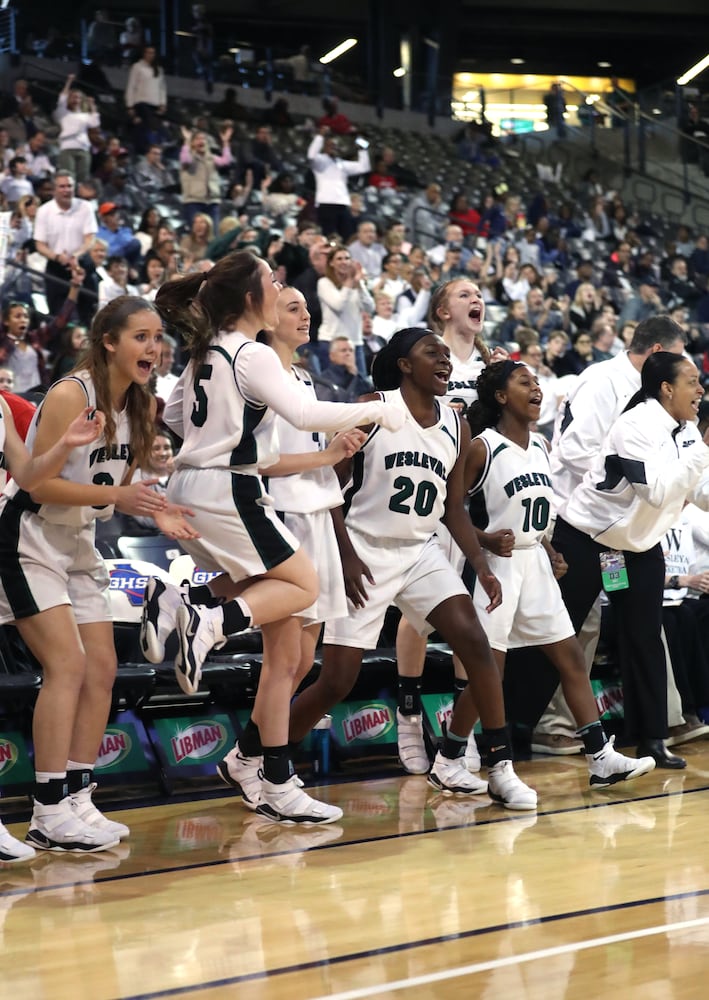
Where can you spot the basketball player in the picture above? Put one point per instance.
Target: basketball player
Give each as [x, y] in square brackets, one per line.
[54, 585]
[508, 470]
[457, 312]
[304, 488]
[224, 407]
[402, 484]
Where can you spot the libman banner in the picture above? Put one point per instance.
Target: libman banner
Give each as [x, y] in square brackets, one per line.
[438, 709]
[364, 723]
[609, 698]
[15, 764]
[121, 751]
[195, 742]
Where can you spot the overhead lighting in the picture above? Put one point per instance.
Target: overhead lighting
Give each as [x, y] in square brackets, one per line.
[604, 65]
[517, 62]
[657, 111]
[399, 72]
[431, 43]
[694, 71]
[335, 53]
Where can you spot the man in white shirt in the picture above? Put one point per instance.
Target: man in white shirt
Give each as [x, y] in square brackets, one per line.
[64, 229]
[332, 197]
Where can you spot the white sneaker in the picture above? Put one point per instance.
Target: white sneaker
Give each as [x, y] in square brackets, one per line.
[199, 630]
[290, 803]
[609, 767]
[453, 778]
[157, 623]
[506, 788]
[472, 754]
[412, 749]
[243, 773]
[87, 812]
[12, 849]
[58, 828]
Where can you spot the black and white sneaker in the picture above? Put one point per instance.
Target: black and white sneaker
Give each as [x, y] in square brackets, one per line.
[58, 828]
[609, 767]
[199, 631]
[160, 603]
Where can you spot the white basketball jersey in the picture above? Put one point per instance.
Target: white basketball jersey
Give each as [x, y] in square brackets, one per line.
[304, 492]
[463, 380]
[223, 429]
[398, 486]
[514, 490]
[92, 464]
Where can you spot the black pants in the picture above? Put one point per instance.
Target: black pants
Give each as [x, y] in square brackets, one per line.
[638, 616]
[56, 291]
[333, 219]
[685, 630]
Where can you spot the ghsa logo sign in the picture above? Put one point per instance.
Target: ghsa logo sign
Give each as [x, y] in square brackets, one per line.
[127, 580]
[368, 723]
[8, 755]
[200, 740]
[115, 747]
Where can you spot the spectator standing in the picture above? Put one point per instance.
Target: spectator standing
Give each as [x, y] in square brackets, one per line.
[146, 98]
[332, 199]
[343, 297]
[75, 114]
[199, 179]
[64, 229]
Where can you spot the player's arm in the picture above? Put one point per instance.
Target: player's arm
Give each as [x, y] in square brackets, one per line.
[501, 542]
[29, 471]
[458, 522]
[342, 446]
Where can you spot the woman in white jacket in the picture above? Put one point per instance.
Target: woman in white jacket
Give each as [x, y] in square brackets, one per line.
[343, 298]
[145, 97]
[652, 461]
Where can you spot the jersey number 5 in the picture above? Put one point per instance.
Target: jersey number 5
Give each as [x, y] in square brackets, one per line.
[199, 409]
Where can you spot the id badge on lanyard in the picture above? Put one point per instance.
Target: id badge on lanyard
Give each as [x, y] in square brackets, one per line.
[614, 575]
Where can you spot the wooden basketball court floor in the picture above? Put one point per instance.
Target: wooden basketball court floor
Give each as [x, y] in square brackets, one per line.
[412, 894]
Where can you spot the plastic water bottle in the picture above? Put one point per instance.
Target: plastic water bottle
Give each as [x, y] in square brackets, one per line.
[320, 745]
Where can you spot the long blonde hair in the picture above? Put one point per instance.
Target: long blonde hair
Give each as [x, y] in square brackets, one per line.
[440, 299]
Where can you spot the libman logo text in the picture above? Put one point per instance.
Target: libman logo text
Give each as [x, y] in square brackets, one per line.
[199, 740]
[8, 755]
[115, 747]
[370, 722]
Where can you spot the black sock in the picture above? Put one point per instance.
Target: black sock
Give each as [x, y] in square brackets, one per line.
[277, 764]
[203, 595]
[51, 793]
[593, 736]
[496, 745]
[409, 695]
[234, 618]
[250, 740]
[79, 778]
[452, 745]
[458, 687]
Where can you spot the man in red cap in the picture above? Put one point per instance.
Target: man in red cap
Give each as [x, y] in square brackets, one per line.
[120, 239]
